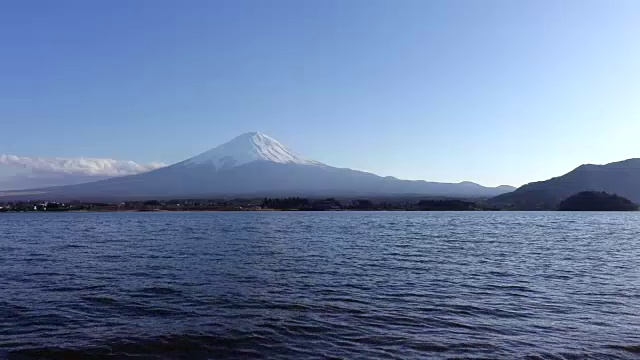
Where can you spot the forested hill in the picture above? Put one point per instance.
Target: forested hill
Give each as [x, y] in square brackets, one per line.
[596, 201]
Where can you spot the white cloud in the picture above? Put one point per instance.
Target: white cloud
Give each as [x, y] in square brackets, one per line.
[79, 166]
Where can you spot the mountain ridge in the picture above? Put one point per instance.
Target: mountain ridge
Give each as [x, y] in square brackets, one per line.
[620, 177]
[256, 164]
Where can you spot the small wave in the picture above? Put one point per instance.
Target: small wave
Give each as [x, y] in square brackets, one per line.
[161, 290]
[130, 307]
[429, 347]
[170, 346]
[634, 349]
[99, 299]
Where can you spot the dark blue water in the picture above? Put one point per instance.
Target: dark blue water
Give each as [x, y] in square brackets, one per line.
[320, 285]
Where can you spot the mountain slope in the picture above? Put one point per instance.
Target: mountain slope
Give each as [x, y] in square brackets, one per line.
[254, 164]
[621, 178]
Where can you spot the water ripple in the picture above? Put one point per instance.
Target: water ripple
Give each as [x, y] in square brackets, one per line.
[320, 285]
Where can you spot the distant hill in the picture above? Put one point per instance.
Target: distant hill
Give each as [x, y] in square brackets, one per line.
[622, 178]
[596, 201]
[253, 164]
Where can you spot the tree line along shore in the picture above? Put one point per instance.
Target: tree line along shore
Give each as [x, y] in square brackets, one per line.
[583, 201]
[261, 204]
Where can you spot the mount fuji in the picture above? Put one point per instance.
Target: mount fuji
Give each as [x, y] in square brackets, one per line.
[254, 164]
[247, 148]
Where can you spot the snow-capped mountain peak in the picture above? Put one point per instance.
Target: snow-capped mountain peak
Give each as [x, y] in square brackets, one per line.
[246, 148]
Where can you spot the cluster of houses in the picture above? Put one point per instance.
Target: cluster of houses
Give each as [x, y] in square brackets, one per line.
[30, 206]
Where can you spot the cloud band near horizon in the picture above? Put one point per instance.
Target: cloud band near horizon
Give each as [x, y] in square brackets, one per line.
[79, 166]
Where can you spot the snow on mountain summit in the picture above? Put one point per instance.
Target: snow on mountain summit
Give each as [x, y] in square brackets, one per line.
[246, 148]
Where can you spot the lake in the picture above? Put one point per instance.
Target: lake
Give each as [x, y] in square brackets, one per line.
[293, 285]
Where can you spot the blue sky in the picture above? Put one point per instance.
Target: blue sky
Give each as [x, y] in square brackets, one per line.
[497, 92]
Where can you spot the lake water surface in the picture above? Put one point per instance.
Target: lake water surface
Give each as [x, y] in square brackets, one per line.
[293, 285]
